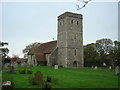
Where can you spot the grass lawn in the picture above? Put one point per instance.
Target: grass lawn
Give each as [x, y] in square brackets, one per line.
[67, 78]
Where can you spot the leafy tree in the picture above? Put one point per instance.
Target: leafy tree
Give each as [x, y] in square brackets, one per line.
[91, 58]
[115, 54]
[30, 46]
[104, 48]
[27, 48]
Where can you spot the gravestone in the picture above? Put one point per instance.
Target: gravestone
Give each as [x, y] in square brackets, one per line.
[7, 84]
[22, 64]
[92, 67]
[38, 78]
[110, 67]
[15, 66]
[96, 67]
[104, 64]
[56, 67]
[7, 65]
[117, 70]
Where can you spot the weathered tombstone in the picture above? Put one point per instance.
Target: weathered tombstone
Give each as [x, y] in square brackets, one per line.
[15, 66]
[7, 65]
[117, 70]
[104, 64]
[12, 69]
[38, 78]
[96, 67]
[22, 64]
[92, 67]
[56, 67]
[110, 67]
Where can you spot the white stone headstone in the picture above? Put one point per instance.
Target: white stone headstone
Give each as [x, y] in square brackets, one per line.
[110, 67]
[96, 67]
[56, 67]
[104, 64]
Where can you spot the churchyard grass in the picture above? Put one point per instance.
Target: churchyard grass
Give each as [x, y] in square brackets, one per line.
[65, 77]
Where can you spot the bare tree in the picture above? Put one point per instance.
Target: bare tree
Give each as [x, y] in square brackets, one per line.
[84, 5]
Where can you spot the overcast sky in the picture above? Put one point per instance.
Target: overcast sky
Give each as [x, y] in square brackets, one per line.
[27, 22]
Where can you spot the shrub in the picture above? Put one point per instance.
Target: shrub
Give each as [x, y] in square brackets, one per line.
[51, 80]
[46, 86]
[37, 79]
[22, 71]
[25, 71]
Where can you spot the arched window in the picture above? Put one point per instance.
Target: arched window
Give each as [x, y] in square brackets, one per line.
[75, 63]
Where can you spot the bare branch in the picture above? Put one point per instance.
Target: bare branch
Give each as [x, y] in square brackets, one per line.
[85, 1]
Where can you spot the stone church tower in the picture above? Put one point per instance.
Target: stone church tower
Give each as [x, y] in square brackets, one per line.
[70, 40]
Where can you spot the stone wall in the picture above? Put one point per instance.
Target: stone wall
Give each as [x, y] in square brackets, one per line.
[54, 57]
[70, 40]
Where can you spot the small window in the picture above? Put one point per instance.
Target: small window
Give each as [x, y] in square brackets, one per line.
[77, 22]
[75, 52]
[72, 21]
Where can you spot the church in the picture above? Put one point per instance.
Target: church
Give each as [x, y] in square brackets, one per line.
[67, 50]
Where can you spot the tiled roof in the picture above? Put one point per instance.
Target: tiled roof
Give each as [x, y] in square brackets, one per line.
[41, 50]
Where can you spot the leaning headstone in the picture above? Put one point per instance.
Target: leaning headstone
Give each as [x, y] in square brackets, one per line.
[38, 78]
[117, 70]
[56, 67]
[7, 65]
[96, 67]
